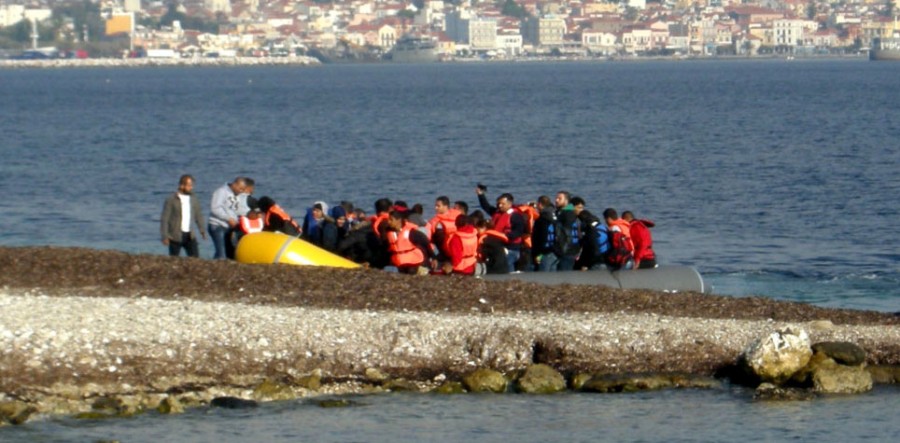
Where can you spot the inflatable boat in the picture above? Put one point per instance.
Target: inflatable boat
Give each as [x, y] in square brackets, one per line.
[275, 247]
[662, 278]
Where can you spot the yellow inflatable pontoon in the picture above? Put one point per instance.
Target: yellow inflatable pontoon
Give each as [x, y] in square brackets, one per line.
[275, 247]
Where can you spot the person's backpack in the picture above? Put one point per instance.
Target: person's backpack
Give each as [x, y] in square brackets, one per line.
[601, 237]
[620, 249]
[550, 242]
[568, 238]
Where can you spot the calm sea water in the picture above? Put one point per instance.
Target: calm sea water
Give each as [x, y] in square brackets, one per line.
[772, 178]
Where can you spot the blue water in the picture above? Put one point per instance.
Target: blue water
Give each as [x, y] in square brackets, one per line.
[772, 178]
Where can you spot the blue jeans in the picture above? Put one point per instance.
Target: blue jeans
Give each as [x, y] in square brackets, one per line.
[566, 263]
[548, 263]
[512, 256]
[217, 234]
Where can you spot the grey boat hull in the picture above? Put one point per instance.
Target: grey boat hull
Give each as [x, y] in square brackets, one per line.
[663, 278]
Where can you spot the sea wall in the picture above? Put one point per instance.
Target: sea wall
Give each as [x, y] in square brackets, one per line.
[159, 62]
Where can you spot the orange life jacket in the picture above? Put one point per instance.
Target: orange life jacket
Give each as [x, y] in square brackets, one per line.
[469, 241]
[276, 210]
[530, 214]
[447, 221]
[490, 233]
[404, 252]
[250, 226]
[377, 220]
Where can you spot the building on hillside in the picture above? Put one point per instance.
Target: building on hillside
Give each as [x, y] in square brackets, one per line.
[597, 42]
[218, 5]
[544, 31]
[480, 34]
[790, 32]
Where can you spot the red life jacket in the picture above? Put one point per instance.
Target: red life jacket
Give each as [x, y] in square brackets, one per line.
[502, 222]
[404, 253]
[251, 226]
[469, 241]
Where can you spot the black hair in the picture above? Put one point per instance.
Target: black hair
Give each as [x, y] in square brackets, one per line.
[383, 205]
[185, 178]
[444, 200]
[507, 196]
[575, 201]
[463, 206]
[611, 214]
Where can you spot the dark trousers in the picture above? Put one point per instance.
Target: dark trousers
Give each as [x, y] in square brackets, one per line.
[188, 242]
[647, 264]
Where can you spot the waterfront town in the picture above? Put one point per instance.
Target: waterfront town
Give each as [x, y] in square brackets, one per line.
[427, 30]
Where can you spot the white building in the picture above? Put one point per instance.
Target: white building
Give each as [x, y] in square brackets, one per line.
[790, 32]
[11, 14]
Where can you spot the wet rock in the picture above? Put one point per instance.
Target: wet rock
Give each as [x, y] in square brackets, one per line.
[832, 378]
[824, 375]
[610, 383]
[15, 412]
[400, 385]
[270, 390]
[485, 380]
[233, 403]
[776, 357]
[884, 374]
[770, 392]
[336, 403]
[844, 353]
[170, 405]
[450, 387]
[118, 406]
[376, 376]
[312, 381]
[541, 379]
[579, 380]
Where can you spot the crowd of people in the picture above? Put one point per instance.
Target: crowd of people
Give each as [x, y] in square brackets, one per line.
[544, 235]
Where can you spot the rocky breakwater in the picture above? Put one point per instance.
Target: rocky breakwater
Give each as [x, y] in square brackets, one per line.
[100, 332]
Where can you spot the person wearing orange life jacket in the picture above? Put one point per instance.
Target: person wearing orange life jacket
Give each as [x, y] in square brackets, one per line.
[529, 215]
[252, 222]
[491, 248]
[408, 246]
[462, 248]
[621, 248]
[277, 219]
[507, 219]
[442, 225]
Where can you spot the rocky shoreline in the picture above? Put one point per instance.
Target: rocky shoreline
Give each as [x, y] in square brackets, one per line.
[79, 327]
[159, 62]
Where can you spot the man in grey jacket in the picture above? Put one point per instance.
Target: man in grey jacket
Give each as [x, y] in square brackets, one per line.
[223, 217]
[181, 219]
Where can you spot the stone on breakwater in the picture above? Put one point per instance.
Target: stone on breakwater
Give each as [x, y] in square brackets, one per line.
[844, 353]
[776, 357]
[770, 392]
[15, 412]
[824, 375]
[450, 387]
[485, 380]
[170, 405]
[232, 403]
[270, 390]
[610, 383]
[884, 374]
[541, 379]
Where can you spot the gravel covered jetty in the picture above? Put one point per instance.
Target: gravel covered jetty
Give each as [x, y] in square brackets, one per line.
[81, 324]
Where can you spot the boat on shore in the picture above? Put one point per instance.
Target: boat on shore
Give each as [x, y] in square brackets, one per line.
[410, 49]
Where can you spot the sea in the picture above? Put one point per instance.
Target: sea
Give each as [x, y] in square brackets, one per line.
[772, 178]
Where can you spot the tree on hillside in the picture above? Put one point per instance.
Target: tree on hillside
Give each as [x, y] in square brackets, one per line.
[513, 9]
